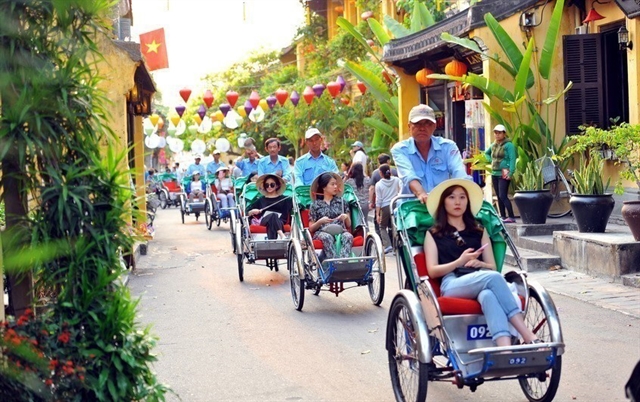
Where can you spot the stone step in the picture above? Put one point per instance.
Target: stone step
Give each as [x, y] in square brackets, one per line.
[532, 260]
[542, 244]
[547, 229]
[632, 280]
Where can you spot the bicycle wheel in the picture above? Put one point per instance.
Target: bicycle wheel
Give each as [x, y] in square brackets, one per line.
[409, 377]
[544, 387]
[560, 206]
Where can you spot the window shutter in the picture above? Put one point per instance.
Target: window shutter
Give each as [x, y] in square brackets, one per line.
[584, 67]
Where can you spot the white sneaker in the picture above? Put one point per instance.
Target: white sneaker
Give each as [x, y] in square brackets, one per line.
[388, 250]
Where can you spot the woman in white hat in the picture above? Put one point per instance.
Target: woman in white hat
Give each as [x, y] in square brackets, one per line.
[224, 186]
[195, 187]
[502, 155]
[274, 209]
[329, 208]
[458, 250]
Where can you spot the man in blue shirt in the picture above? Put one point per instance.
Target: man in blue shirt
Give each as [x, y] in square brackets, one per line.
[196, 167]
[274, 163]
[212, 167]
[314, 162]
[249, 163]
[424, 161]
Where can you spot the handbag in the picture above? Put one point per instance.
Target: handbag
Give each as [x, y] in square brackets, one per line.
[462, 271]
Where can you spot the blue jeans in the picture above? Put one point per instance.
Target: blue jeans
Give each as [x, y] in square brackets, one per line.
[491, 291]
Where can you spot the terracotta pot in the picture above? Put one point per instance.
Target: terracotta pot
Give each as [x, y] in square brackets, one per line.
[592, 212]
[631, 215]
[533, 205]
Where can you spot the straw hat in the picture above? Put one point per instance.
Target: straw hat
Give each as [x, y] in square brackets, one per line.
[278, 179]
[314, 184]
[475, 195]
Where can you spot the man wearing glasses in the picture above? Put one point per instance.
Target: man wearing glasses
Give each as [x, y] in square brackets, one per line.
[424, 161]
[314, 162]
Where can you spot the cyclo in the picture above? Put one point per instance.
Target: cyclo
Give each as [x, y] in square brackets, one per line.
[434, 338]
[212, 210]
[251, 242]
[234, 213]
[309, 270]
[170, 191]
[187, 206]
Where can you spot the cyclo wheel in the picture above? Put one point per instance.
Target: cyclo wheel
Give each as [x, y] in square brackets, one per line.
[534, 389]
[376, 286]
[560, 206]
[239, 253]
[163, 200]
[409, 377]
[296, 279]
[207, 216]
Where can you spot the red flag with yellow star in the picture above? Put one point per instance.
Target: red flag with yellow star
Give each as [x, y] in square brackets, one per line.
[154, 49]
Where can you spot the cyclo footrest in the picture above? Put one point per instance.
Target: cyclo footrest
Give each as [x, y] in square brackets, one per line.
[516, 360]
[353, 269]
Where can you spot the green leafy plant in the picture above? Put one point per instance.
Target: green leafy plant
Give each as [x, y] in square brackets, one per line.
[587, 179]
[622, 139]
[528, 128]
[531, 178]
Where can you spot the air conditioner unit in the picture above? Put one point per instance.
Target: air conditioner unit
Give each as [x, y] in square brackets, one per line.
[582, 29]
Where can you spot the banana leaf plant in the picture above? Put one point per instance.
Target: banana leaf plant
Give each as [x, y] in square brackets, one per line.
[529, 129]
[385, 92]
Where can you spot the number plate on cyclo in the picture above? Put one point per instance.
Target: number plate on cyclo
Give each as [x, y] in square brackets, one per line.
[477, 332]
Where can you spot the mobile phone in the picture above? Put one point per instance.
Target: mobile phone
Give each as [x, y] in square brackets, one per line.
[483, 247]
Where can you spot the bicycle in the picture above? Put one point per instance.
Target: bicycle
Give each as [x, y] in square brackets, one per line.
[558, 185]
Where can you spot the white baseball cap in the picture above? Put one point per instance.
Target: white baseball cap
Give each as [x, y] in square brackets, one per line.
[421, 112]
[500, 127]
[311, 131]
[216, 152]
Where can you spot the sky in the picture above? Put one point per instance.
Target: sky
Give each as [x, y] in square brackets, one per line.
[207, 36]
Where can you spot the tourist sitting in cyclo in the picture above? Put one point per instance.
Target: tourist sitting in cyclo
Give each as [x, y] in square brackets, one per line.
[224, 187]
[329, 216]
[195, 188]
[273, 210]
[459, 251]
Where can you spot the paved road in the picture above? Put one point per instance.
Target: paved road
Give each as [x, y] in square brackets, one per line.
[222, 340]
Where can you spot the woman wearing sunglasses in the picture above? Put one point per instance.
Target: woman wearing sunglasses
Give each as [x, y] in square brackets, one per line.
[273, 209]
[458, 250]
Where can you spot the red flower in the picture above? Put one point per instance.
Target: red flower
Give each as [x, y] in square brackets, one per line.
[48, 382]
[53, 364]
[64, 337]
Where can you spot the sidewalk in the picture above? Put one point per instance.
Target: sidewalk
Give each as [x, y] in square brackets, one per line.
[589, 289]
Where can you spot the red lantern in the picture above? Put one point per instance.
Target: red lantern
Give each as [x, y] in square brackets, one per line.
[232, 98]
[281, 96]
[254, 99]
[345, 101]
[208, 98]
[339, 9]
[455, 68]
[185, 93]
[334, 89]
[308, 95]
[421, 77]
[362, 87]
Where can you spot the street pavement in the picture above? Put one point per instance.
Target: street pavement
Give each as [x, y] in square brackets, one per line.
[223, 340]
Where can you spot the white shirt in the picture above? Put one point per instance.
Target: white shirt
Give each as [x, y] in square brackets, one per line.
[361, 158]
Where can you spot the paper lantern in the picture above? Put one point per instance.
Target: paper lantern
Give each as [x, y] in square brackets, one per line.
[216, 126]
[160, 123]
[281, 96]
[154, 119]
[171, 130]
[248, 107]
[254, 100]
[192, 129]
[242, 111]
[208, 98]
[241, 139]
[176, 145]
[345, 101]
[181, 127]
[205, 126]
[202, 111]
[256, 115]
[334, 89]
[185, 93]
[222, 144]
[308, 95]
[162, 142]
[362, 87]
[152, 141]
[197, 119]
[342, 82]
[295, 98]
[224, 108]
[455, 68]
[271, 101]
[386, 76]
[318, 89]
[198, 146]
[339, 9]
[217, 116]
[175, 119]
[232, 98]
[180, 110]
[421, 77]
[149, 130]
[231, 119]
[263, 104]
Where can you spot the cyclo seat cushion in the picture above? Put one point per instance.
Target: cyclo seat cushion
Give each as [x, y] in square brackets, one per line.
[358, 241]
[449, 305]
[263, 229]
[172, 186]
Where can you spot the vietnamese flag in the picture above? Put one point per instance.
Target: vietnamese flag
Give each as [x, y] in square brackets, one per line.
[154, 49]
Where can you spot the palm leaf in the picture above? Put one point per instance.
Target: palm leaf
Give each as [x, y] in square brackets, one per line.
[489, 87]
[380, 33]
[508, 46]
[397, 29]
[373, 81]
[347, 26]
[379, 125]
[523, 72]
[390, 112]
[546, 57]
[496, 116]
[421, 18]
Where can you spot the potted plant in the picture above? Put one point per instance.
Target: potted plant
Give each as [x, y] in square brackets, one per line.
[532, 199]
[590, 202]
[623, 141]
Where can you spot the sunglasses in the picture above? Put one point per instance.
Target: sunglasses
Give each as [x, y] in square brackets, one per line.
[270, 185]
[459, 240]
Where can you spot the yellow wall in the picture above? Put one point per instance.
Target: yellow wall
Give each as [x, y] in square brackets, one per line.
[408, 97]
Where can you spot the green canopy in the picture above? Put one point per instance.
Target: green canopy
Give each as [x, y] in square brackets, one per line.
[166, 176]
[251, 192]
[414, 217]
